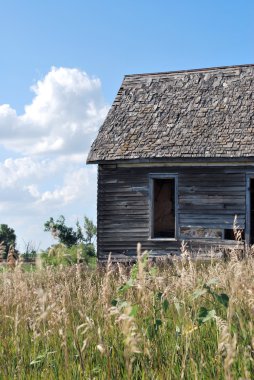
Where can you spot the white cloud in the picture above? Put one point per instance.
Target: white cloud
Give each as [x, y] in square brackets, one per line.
[76, 185]
[63, 117]
[47, 176]
[14, 170]
[33, 190]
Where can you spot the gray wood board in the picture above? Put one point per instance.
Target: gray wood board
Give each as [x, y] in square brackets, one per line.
[207, 198]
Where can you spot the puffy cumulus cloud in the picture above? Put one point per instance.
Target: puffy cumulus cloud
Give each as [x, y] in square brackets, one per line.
[15, 171]
[45, 173]
[51, 183]
[32, 190]
[76, 184]
[63, 118]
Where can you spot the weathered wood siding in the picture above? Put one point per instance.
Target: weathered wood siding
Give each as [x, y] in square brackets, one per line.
[207, 198]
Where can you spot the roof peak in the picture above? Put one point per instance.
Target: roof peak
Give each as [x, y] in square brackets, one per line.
[214, 68]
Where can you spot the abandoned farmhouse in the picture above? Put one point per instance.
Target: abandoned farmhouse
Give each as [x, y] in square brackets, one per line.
[175, 162]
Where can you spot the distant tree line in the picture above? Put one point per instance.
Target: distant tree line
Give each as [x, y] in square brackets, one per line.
[82, 237]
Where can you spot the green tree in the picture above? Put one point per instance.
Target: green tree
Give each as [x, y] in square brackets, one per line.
[65, 235]
[70, 236]
[90, 230]
[8, 237]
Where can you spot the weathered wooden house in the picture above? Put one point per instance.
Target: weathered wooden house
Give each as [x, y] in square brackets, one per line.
[175, 162]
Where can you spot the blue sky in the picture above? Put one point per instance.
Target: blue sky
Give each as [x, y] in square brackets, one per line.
[105, 40]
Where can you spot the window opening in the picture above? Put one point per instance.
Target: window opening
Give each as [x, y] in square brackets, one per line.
[230, 234]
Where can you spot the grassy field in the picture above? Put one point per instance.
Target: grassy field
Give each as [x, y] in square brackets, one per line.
[185, 320]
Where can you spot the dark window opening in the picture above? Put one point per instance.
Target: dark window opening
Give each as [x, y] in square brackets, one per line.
[230, 234]
[164, 208]
[251, 211]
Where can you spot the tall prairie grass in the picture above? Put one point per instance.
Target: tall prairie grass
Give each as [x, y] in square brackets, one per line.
[178, 320]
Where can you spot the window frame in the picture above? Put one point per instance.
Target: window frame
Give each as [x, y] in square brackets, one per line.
[152, 177]
[248, 176]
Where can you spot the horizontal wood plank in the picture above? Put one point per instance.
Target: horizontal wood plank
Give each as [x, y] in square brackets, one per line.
[207, 198]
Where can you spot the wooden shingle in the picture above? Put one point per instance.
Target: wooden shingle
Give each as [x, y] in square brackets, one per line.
[206, 113]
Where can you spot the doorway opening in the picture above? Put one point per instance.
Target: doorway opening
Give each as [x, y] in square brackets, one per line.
[163, 208]
[251, 211]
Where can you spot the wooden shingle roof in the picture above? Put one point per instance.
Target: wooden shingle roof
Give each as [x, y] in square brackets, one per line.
[206, 113]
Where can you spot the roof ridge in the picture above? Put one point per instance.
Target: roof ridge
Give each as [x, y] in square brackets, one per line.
[214, 68]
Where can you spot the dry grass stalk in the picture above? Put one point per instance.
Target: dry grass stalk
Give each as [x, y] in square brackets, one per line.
[11, 258]
[227, 346]
[62, 320]
[106, 283]
[2, 251]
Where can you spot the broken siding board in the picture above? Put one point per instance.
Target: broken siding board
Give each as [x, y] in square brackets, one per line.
[133, 247]
[211, 219]
[207, 191]
[212, 226]
[210, 210]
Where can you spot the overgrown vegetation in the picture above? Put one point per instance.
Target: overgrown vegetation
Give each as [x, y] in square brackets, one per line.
[60, 254]
[183, 320]
[74, 246]
[7, 239]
